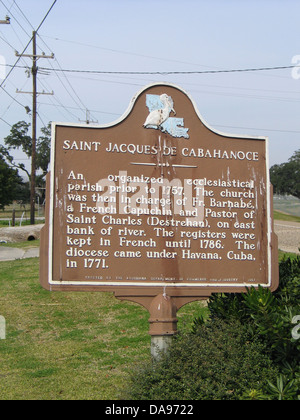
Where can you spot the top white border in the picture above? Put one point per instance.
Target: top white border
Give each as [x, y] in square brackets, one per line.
[132, 103]
[144, 284]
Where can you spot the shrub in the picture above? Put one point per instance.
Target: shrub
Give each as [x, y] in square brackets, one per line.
[219, 362]
[244, 351]
[268, 317]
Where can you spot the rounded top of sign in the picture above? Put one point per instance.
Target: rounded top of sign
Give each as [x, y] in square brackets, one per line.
[204, 122]
[162, 114]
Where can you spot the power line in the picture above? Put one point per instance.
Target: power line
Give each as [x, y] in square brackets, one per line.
[242, 95]
[82, 109]
[47, 14]
[13, 98]
[124, 52]
[25, 17]
[163, 73]
[14, 18]
[121, 77]
[34, 71]
[74, 96]
[166, 73]
[20, 56]
[5, 122]
[17, 21]
[20, 11]
[5, 40]
[78, 101]
[27, 20]
[59, 104]
[257, 129]
[71, 91]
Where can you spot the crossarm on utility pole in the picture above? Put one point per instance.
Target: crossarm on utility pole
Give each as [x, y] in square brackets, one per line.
[6, 21]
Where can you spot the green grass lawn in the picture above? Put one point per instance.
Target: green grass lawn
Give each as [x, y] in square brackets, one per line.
[285, 217]
[6, 223]
[69, 346]
[283, 255]
[22, 245]
[64, 346]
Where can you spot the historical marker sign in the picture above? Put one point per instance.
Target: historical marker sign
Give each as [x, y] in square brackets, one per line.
[158, 202]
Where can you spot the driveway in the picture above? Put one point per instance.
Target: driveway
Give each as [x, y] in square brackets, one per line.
[288, 236]
[10, 254]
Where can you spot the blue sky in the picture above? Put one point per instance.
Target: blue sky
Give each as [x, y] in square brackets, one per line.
[161, 35]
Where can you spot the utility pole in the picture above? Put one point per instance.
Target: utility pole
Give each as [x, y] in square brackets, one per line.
[6, 21]
[88, 118]
[34, 94]
[34, 111]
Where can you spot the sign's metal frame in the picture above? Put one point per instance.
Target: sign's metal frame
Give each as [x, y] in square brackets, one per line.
[143, 292]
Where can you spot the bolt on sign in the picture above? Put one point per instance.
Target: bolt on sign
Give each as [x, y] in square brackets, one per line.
[159, 208]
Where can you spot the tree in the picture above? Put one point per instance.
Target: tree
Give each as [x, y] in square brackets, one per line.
[286, 177]
[44, 150]
[9, 183]
[19, 139]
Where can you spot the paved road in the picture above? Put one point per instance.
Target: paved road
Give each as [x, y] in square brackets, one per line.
[10, 254]
[288, 236]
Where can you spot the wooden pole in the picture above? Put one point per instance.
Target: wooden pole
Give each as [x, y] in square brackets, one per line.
[34, 115]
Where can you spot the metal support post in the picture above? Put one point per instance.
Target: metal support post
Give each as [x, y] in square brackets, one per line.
[163, 324]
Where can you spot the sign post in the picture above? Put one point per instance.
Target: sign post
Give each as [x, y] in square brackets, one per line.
[158, 208]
